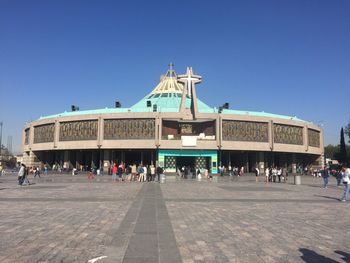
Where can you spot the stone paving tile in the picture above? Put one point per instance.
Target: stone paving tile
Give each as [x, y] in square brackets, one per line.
[48, 222]
[69, 219]
[219, 223]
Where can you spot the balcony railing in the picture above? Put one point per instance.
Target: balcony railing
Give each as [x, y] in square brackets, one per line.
[201, 136]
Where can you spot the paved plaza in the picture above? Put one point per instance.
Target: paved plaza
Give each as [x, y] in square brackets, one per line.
[64, 218]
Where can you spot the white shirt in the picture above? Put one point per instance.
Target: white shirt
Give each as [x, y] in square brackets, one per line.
[346, 176]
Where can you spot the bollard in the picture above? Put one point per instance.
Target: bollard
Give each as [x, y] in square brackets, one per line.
[162, 178]
[297, 179]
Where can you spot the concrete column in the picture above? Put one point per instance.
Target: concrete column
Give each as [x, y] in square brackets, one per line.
[306, 138]
[77, 160]
[218, 131]
[106, 159]
[261, 162]
[100, 132]
[26, 159]
[159, 126]
[294, 164]
[246, 169]
[122, 156]
[30, 159]
[320, 160]
[270, 127]
[56, 134]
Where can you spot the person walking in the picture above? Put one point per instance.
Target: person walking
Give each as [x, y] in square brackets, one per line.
[25, 180]
[37, 172]
[21, 173]
[325, 176]
[346, 182]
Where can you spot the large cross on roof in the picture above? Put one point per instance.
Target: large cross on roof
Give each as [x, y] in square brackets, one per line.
[189, 79]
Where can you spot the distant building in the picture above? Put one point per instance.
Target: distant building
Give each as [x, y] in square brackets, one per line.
[171, 127]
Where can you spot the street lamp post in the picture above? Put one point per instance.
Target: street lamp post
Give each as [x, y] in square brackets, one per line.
[0, 137]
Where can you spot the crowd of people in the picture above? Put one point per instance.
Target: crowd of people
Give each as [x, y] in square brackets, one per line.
[274, 173]
[150, 173]
[134, 172]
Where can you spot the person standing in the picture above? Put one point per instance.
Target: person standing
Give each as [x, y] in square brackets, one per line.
[140, 172]
[257, 172]
[133, 172]
[114, 172]
[241, 171]
[153, 172]
[285, 174]
[267, 171]
[159, 171]
[221, 170]
[274, 174]
[279, 174]
[338, 175]
[346, 182]
[325, 176]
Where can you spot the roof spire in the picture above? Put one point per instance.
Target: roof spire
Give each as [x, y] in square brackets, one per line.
[168, 82]
[171, 73]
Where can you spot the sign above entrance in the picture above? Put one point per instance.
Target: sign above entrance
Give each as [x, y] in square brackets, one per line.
[189, 141]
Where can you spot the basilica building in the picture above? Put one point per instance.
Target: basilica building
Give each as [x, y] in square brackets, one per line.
[171, 127]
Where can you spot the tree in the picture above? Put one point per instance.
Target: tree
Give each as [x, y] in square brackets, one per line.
[342, 153]
[347, 131]
[331, 151]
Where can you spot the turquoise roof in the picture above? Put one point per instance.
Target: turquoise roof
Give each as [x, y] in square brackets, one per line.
[261, 114]
[85, 112]
[167, 103]
[167, 96]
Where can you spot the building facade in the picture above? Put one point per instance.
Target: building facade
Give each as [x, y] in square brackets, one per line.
[171, 127]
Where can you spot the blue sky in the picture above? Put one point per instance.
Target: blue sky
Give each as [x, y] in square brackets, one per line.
[284, 57]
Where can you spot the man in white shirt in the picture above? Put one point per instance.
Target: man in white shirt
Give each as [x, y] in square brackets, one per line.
[346, 182]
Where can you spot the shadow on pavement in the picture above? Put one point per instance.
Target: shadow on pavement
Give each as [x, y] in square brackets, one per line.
[328, 197]
[346, 256]
[310, 256]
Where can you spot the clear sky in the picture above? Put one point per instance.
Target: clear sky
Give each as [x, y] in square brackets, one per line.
[284, 57]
